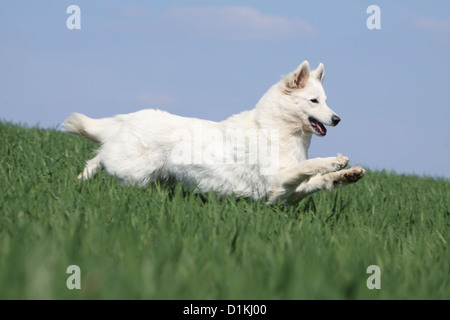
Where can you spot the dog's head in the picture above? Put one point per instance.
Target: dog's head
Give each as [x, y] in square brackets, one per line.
[303, 88]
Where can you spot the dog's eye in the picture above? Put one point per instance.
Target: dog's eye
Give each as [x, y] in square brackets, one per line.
[314, 100]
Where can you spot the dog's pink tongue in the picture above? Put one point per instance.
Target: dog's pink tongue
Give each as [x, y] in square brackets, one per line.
[322, 128]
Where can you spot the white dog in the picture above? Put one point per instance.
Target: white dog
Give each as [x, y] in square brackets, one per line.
[261, 153]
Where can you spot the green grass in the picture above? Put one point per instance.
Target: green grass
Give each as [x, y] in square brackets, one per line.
[157, 243]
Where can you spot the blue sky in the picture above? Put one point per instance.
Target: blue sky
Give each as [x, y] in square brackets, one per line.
[211, 59]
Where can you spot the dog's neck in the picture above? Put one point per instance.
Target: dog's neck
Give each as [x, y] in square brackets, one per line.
[302, 143]
[269, 114]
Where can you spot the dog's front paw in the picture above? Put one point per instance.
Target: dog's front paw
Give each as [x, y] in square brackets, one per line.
[340, 162]
[351, 175]
[354, 174]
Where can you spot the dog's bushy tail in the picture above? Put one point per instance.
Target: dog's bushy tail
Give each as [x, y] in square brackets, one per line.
[93, 129]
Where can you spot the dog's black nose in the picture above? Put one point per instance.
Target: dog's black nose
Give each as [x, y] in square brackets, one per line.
[335, 119]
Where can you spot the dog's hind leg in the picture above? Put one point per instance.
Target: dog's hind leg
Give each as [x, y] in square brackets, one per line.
[91, 168]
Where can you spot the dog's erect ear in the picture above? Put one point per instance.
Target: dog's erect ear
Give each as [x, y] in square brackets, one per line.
[319, 73]
[299, 77]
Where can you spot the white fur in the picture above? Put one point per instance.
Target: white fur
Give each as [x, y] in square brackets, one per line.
[225, 157]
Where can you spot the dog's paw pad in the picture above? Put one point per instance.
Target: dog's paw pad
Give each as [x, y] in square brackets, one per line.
[354, 174]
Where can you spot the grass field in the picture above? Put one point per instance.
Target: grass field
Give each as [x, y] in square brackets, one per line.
[157, 243]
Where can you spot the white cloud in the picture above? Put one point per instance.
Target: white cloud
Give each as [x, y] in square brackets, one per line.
[230, 22]
[239, 23]
[135, 12]
[439, 29]
[432, 24]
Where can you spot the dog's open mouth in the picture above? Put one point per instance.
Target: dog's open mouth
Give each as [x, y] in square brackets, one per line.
[318, 126]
